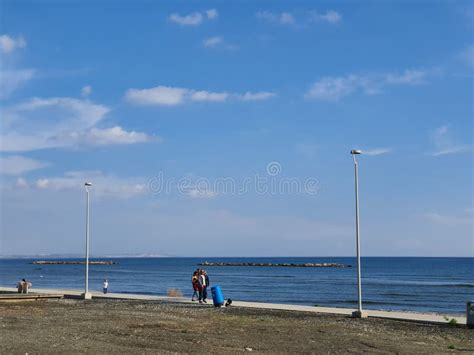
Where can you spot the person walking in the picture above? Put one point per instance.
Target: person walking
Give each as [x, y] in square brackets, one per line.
[195, 283]
[202, 287]
[208, 283]
[105, 286]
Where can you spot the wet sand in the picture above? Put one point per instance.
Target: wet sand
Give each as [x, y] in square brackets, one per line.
[116, 326]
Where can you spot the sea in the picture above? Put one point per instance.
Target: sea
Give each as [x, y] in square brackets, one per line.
[440, 285]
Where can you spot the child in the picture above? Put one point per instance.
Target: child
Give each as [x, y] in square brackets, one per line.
[106, 285]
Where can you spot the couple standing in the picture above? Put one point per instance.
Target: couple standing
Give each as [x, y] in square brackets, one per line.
[200, 281]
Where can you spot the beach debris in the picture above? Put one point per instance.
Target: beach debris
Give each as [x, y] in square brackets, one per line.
[220, 263]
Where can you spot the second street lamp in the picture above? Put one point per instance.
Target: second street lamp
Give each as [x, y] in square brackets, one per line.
[359, 313]
[87, 295]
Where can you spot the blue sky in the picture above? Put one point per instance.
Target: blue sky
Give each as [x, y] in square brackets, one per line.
[138, 95]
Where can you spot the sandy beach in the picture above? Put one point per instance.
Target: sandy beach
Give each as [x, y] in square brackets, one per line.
[117, 326]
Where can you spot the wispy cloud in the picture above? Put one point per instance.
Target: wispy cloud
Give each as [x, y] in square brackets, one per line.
[302, 20]
[9, 44]
[335, 88]
[173, 96]
[195, 18]
[60, 122]
[86, 91]
[201, 194]
[218, 42]
[103, 184]
[18, 165]
[13, 79]
[451, 220]
[330, 16]
[445, 144]
[213, 42]
[376, 151]
[212, 14]
[257, 96]
[283, 18]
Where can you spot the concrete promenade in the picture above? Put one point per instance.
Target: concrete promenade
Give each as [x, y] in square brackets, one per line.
[405, 316]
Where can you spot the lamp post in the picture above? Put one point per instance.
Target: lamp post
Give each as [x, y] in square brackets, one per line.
[87, 295]
[359, 313]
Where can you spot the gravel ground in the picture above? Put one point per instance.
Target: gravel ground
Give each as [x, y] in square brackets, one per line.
[113, 326]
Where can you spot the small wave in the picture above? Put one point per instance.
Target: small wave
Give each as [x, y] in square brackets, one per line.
[420, 283]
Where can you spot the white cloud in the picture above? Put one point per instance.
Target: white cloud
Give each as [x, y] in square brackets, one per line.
[376, 151]
[103, 184]
[195, 18]
[59, 122]
[332, 89]
[218, 42]
[86, 91]
[12, 80]
[256, 96]
[106, 136]
[335, 88]
[212, 14]
[444, 143]
[9, 44]
[304, 20]
[212, 42]
[18, 165]
[42, 183]
[173, 96]
[200, 96]
[330, 16]
[408, 77]
[160, 95]
[284, 18]
[201, 194]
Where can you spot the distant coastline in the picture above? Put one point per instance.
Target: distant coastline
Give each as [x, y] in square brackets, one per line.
[63, 262]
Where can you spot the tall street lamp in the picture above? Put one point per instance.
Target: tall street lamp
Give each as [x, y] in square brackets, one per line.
[87, 295]
[359, 313]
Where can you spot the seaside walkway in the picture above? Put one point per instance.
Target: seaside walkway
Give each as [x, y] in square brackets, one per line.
[404, 316]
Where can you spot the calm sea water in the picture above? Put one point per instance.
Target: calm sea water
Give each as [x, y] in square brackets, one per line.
[412, 284]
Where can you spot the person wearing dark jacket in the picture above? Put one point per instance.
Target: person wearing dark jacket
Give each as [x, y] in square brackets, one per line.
[207, 284]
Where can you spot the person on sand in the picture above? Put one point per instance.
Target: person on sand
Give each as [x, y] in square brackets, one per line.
[208, 283]
[25, 285]
[204, 281]
[202, 287]
[105, 286]
[195, 283]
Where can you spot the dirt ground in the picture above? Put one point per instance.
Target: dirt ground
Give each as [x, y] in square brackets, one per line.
[119, 327]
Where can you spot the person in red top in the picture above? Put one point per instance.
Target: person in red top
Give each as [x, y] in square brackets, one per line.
[195, 282]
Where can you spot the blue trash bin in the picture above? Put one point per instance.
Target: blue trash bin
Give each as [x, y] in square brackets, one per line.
[217, 296]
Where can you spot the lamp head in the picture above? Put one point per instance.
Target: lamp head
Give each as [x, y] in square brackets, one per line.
[356, 151]
[87, 184]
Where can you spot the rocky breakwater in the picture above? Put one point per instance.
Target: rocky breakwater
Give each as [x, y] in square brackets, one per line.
[333, 265]
[62, 262]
